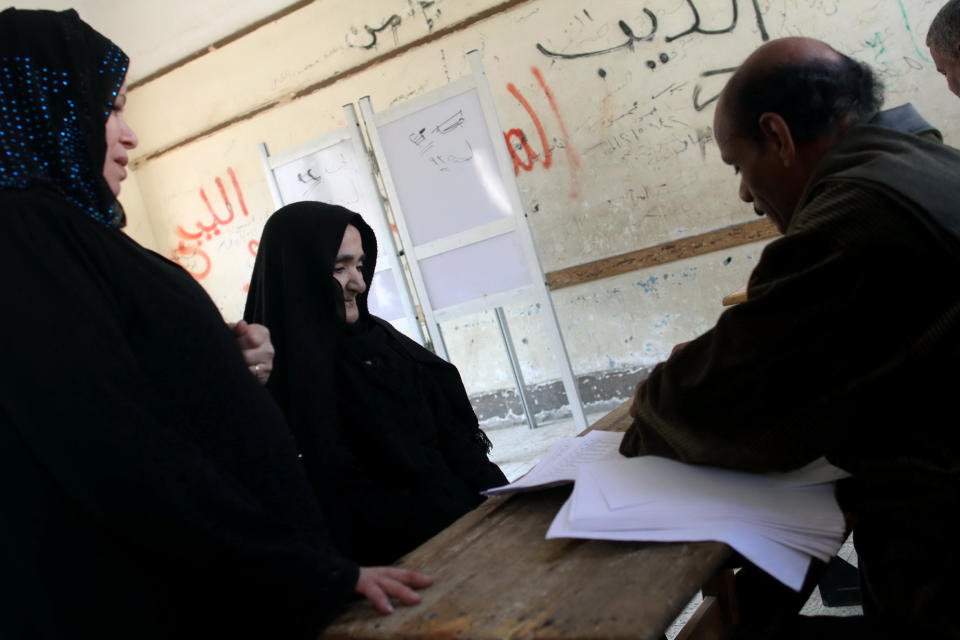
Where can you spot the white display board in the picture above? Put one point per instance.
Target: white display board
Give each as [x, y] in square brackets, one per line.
[335, 169]
[444, 168]
[458, 211]
[456, 207]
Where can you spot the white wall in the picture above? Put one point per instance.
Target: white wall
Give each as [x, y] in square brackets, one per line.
[626, 158]
[158, 34]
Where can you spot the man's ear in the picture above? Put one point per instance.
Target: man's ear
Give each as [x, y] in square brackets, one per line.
[776, 132]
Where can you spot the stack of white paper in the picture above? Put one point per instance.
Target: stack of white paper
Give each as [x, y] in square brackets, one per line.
[777, 521]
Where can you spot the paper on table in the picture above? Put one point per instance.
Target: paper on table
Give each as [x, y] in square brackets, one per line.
[590, 509]
[817, 472]
[786, 565]
[778, 525]
[704, 491]
[559, 465]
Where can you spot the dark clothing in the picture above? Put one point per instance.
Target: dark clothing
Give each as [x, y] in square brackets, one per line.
[414, 460]
[406, 456]
[149, 487]
[844, 348]
[148, 484]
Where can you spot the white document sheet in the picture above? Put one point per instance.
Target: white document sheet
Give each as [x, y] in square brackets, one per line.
[817, 472]
[706, 491]
[776, 523]
[591, 509]
[783, 563]
[560, 464]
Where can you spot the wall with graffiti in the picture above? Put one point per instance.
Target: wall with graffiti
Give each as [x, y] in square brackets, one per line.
[606, 108]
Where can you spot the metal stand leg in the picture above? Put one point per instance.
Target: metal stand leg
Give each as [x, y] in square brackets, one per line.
[515, 365]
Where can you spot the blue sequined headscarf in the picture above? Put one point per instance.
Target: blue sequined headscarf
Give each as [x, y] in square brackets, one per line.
[58, 81]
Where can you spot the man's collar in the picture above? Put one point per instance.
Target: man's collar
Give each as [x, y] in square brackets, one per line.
[905, 119]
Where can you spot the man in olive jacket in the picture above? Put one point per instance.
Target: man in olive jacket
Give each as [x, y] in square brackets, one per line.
[848, 344]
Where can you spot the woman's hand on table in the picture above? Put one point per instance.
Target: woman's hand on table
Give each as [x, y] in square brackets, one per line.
[380, 584]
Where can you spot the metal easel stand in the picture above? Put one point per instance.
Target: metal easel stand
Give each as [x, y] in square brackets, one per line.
[515, 365]
[541, 292]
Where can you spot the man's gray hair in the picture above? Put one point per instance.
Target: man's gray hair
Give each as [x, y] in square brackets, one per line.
[944, 33]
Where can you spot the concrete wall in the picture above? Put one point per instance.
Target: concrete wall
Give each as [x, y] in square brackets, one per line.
[607, 107]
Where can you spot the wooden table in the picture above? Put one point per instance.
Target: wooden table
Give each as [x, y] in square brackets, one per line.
[735, 297]
[496, 576]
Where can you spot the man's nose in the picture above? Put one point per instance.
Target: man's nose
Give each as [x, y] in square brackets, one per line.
[745, 194]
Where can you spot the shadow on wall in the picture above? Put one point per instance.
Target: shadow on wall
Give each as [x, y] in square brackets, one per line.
[601, 391]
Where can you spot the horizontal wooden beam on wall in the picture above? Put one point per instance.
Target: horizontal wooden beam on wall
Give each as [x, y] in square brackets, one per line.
[664, 253]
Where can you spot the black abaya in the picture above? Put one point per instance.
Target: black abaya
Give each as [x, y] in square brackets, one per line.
[405, 456]
[149, 488]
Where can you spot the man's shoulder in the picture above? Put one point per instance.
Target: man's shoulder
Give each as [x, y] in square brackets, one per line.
[906, 119]
[841, 207]
[918, 174]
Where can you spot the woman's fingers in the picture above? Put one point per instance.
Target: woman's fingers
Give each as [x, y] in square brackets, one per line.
[379, 584]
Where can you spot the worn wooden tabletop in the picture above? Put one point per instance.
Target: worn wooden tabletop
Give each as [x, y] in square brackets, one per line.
[496, 576]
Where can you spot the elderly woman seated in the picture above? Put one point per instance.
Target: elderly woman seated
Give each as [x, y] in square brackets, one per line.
[387, 434]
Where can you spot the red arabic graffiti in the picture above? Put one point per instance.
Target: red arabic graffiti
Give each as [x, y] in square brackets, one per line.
[517, 140]
[572, 156]
[188, 253]
[184, 256]
[522, 137]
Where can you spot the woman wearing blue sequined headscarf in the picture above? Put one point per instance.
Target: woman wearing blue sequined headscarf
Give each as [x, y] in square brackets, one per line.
[149, 487]
[58, 90]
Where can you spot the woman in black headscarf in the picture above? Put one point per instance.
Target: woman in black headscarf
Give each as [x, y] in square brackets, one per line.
[399, 455]
[149, 487]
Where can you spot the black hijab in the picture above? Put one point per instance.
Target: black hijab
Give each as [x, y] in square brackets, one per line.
[58, 82]
[293, 293]
[385, 427]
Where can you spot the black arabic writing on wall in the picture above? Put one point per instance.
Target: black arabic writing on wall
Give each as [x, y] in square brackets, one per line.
[390, 23]
[695, 28]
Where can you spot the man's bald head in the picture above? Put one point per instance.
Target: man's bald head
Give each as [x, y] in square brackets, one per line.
[783, 109]
[816, 90]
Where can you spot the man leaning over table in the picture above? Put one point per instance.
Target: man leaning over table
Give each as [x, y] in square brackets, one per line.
[848, 342]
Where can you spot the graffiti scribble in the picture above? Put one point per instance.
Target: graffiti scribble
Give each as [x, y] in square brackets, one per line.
[627, 44]
[391, 23]
[188, 253]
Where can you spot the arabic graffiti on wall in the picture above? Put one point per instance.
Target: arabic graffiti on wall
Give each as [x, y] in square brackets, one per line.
[531, 146]
[369, 38]
[517, 140]
[887, 64]
[189, 252]
[632, 40]
[373, 33]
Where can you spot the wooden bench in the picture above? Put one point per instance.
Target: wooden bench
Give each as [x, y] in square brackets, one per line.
[735, 297]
